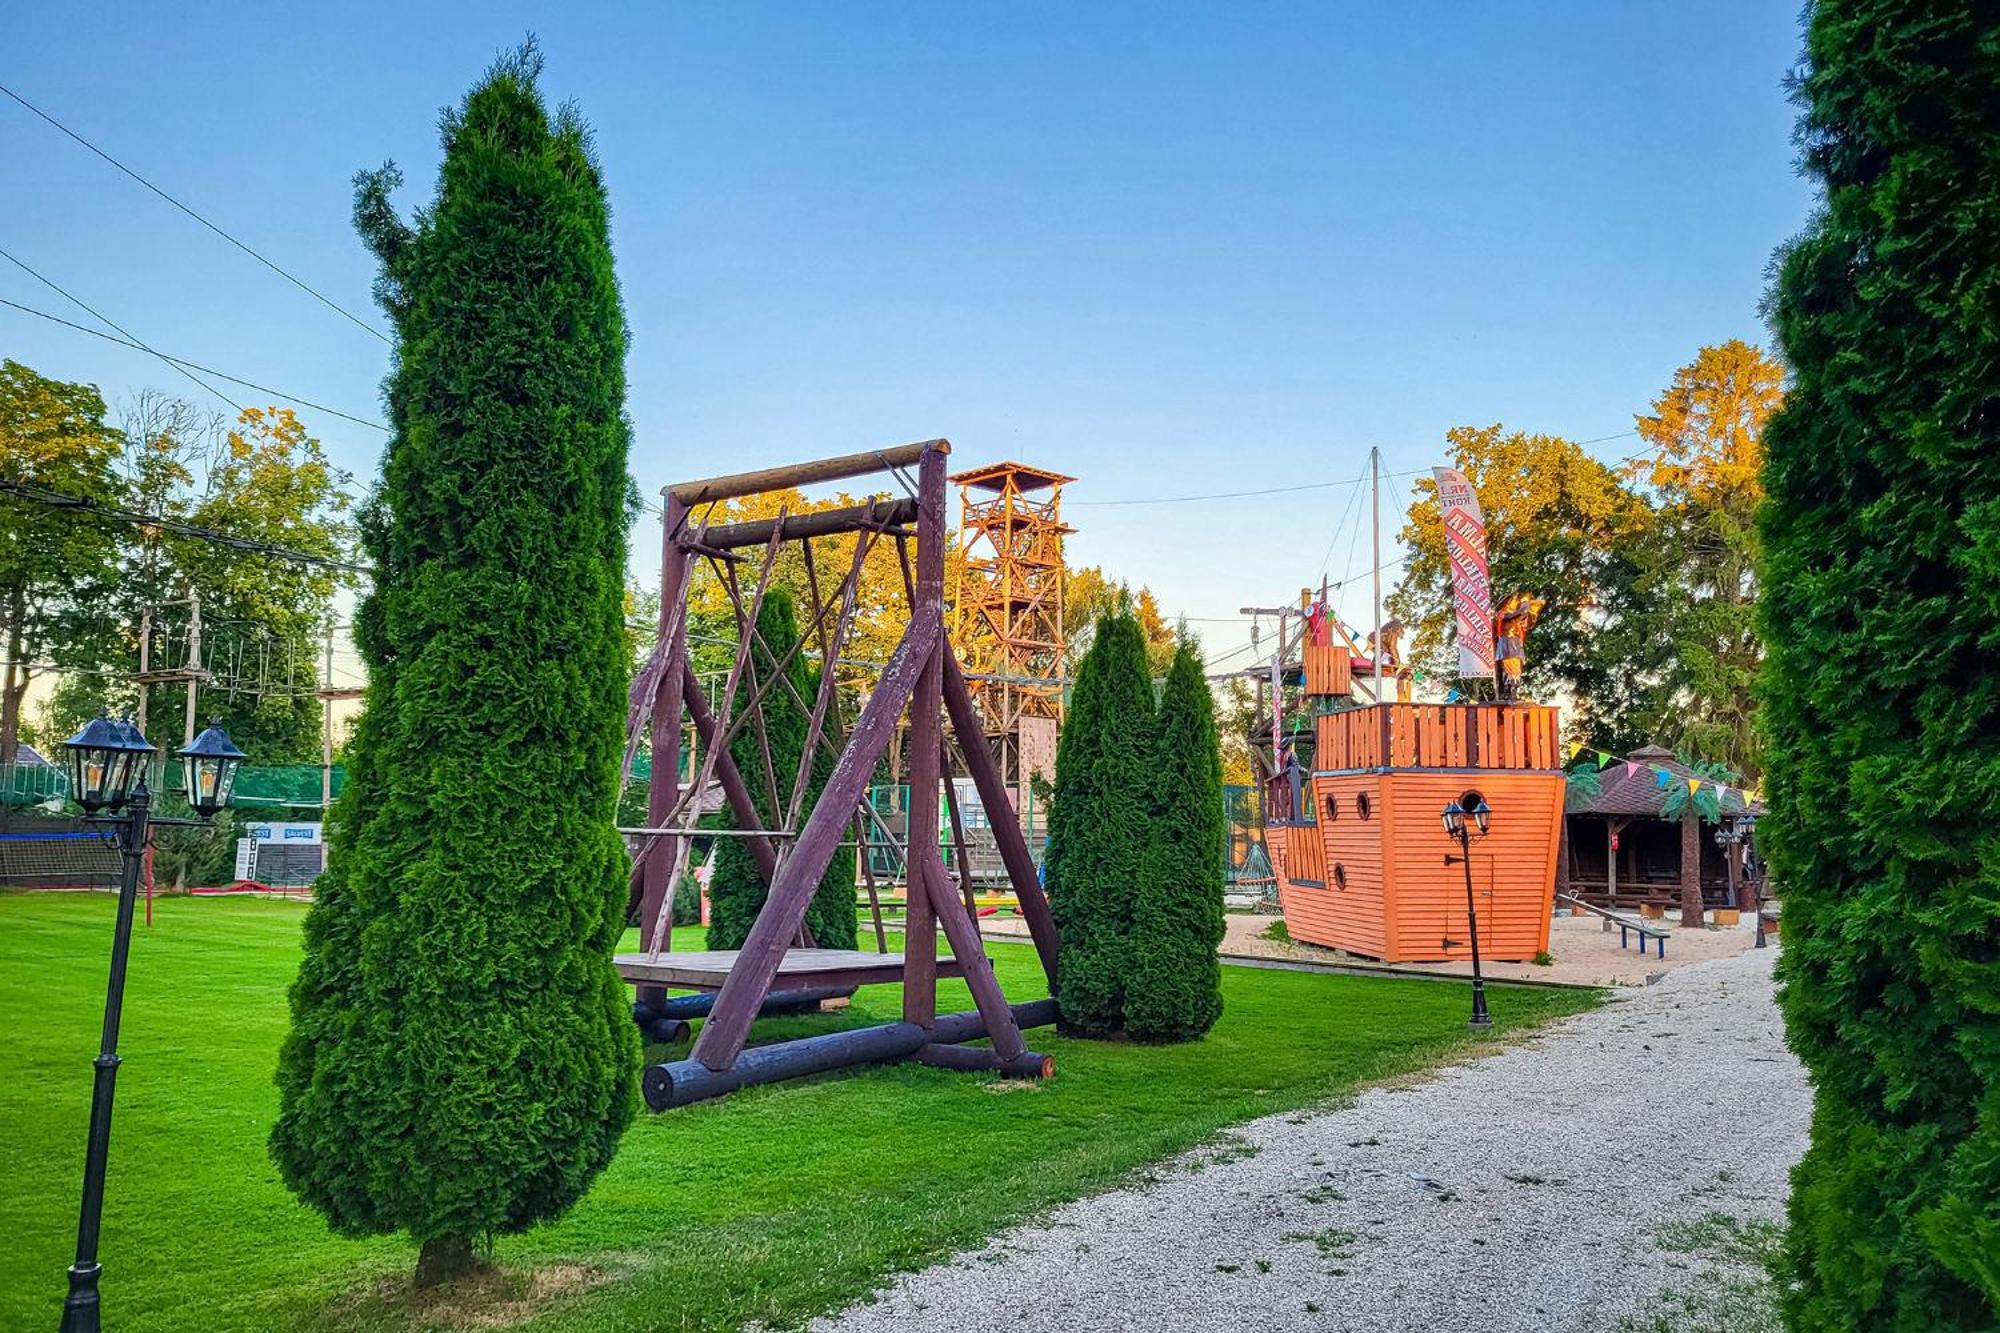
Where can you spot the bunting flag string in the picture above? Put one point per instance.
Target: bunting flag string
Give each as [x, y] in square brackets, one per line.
[1581, 754]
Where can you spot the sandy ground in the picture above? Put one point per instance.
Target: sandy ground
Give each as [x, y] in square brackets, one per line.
[1583, 953]
[1608, 1174]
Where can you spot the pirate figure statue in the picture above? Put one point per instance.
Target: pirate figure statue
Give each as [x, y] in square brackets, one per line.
[1511, 623]
[1391, 653]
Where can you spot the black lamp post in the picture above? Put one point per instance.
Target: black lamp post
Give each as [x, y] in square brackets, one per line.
[107, 769]
[1729, 835]
[1470, 807]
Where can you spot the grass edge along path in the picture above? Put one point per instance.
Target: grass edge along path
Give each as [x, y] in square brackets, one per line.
[771, 1205]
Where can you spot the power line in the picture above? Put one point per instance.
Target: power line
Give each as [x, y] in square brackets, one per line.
[194, 365]
[1237, 495]
[102, 319]
[57, 500]
[296, 281]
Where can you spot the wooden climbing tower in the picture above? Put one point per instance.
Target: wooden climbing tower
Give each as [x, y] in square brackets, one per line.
[1008, 617]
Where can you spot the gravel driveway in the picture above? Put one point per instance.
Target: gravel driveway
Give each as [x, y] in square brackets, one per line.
[1613, 1173]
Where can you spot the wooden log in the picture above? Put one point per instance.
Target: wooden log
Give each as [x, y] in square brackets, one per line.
[950, 1029]
[801, 1000]
[684, 1082]
[665, 1031]
[926, 751]
[803, 474]
[823, 523]
[1006, 825]
[977, 1059]
[784, 908]
[663, 787]
[965, 947]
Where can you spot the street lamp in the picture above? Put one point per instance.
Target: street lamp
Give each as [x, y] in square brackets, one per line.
[107, 768]
[1461, 816]
[1729, 835]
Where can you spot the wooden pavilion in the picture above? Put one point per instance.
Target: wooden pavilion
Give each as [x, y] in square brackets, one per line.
[1618, 851]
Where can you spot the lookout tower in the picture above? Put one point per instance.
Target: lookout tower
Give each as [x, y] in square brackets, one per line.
[1009, 617]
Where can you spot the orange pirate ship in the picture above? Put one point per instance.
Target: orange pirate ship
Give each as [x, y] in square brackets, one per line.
[1358, 778]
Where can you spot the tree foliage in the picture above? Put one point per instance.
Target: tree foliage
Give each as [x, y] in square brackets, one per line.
[1881, 615]
[1558, 523]
[1098, 823]
[461, 1060]
[736, 892]
[56, 567]
[1699, 561]
[1173, 985]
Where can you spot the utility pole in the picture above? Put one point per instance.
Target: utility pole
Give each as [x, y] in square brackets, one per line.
[1375, 542]
[326, 729]
[145, 664]
[194, 660]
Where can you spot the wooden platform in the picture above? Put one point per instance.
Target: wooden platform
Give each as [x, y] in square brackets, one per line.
[802, 967]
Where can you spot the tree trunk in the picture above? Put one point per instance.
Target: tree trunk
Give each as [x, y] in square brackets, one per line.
[14, 685]
[1691, 913]
[444, 1259]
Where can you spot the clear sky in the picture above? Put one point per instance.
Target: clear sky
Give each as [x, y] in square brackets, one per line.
[1169, 249]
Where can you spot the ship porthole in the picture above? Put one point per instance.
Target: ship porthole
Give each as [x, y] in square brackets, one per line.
[1339, 875]
[1332, 806]
[1363, 806]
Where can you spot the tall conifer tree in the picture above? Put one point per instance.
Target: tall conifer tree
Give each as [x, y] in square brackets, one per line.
[1098, 824]
[1173, 985]
[462, 1061]
[736, 892]
[1881, 620]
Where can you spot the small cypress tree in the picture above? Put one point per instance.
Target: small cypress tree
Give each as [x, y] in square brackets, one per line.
[1098, 824]
[736, 892]
[1173, 985]
[462, 1058]
[1881, 613]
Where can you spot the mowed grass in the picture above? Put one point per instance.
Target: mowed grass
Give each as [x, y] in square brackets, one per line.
[773, 1204]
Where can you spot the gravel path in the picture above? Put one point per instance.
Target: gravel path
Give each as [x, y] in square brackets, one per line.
[1569, 1183]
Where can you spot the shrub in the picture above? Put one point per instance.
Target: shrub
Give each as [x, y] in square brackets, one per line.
[462, 1059]
[1098, 825]
[1173, 984]
[1881, 612]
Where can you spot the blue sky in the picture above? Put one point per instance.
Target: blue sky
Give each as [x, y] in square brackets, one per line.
[1169, 249]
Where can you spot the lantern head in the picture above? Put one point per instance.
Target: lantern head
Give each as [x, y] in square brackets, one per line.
[104, 758]
[210, 762]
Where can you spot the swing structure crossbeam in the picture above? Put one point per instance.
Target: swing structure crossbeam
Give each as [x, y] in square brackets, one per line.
[922, 681]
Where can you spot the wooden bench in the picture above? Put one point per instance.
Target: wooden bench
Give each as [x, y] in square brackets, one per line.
[801, 968]
[1627, 926]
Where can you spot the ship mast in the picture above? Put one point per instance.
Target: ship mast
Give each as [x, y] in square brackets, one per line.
[1375, 523]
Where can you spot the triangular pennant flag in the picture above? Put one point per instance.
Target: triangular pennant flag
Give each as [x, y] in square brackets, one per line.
[1631, 767]
[1605, 761]
[1574, 746]
[1663, 777]
[1693, 783]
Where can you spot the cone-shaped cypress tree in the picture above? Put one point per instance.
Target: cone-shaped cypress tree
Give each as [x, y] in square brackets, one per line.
[1881, 617]
[462, 1060]
[736, 892]
[1098, 824]
[1173, 981]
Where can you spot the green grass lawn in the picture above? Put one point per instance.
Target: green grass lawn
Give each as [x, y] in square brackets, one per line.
[773, 1204]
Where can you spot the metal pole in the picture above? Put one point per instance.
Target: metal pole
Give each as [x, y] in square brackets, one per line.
[194, 662]
[80, 1308]
[1375, 544]
[1479, 1017]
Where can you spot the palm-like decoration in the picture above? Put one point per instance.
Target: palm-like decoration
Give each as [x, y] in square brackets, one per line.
[1707, 798]
[1583, 785]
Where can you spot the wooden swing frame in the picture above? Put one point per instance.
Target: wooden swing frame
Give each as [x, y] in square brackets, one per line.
[922, 675]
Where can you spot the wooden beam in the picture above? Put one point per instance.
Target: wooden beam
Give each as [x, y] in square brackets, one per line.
[969, 1026]
[734, 789]
[804, 474]
[1001, 816]
[684, 1082]
[977, 1059]
[823, 523]
[965, 949]
[926, 750]
[723, 1036]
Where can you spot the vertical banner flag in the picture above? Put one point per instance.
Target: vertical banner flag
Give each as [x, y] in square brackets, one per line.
[1471, 584]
